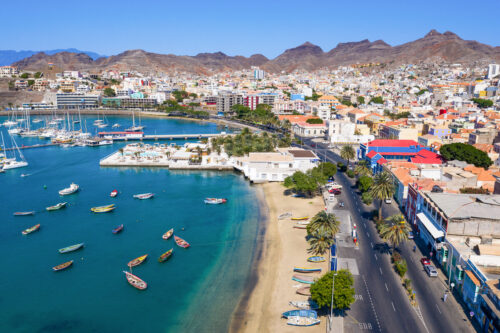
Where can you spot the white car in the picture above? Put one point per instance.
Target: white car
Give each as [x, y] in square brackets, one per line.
[431, 270]
[334, 186]
[388, 201]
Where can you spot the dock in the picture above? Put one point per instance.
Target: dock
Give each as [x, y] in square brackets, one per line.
[157, 137]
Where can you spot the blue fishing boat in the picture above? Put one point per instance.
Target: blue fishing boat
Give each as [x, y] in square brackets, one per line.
[306, 270]
[316, 259]
[300, 313]
[303, 278]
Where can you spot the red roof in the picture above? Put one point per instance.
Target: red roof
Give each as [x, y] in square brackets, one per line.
[427, 157]
[371, 154]
[381, 161]
[392, 143]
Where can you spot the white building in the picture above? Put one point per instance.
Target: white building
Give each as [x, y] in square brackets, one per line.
[275, 166]
[8, 71]
[493, 70]
[309, 130]
[342, 131]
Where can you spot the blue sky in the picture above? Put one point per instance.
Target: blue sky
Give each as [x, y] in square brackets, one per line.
[236, 27]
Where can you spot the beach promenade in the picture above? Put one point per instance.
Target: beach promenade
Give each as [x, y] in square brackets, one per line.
[283, 247]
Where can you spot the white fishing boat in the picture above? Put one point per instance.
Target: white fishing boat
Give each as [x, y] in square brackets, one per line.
[135, 128]
[12, 162]
[37, 120]
[15, 130]
[116, 125]
[9, 123]
[69, 190]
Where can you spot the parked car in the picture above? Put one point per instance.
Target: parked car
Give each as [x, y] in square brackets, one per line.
[410, 235]
[431, 270]
[335, 191]
[334, 185]
[425, 261]
[388, 201]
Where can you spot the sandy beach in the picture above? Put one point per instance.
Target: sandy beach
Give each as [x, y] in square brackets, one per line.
[282, 248]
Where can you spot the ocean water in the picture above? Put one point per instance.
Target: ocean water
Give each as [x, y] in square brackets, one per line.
[196, 290]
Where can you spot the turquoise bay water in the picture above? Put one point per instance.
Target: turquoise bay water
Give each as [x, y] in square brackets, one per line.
[196, 290]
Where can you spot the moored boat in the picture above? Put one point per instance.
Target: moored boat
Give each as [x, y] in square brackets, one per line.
[305, 305]
[168, 234]
[300, 218]
[144, 196]
[24, 213]
[56, 207]
[30, 230]
[215, 201]
[284, 216]
[300, 313]
[316, 259]
[181, 242]
[165, 256]
[137, 261]
[71, 248]
[69, 190]
[306, 270]
[300, 226]
[303, 278]
[114, 193]
[302, 321]
[62, 266]
[305, 291]
[135, 281]
[103, 209]
[118, 229]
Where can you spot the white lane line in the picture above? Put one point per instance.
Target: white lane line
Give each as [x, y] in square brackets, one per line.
[371, 244]
[371, 303]
[380, 269]
[364, 224]
[393, 307]
[438, 309]
[375, 257]
[386, 287]
[367, 234]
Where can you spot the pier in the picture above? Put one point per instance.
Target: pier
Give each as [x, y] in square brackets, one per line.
[157, 137]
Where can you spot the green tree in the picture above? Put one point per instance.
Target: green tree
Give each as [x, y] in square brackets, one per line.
[382, 188]
[361, 100]
[300, 182]
[109, 92]
[483, 103]
[329, 169]
[364, 183]
[347, 153]
[319, 243]
[38, 75]
[395, 230]
[314, 121]
[343, 291]
[346, 102]
[362, 169]
[367, 198]
[377, 100]
[31, 82]
[24, 76]
[324, 224]
[467, 153]
[180, 95]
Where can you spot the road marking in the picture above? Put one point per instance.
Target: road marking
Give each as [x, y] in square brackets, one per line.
[371, 244]
[371, 303]
[380, 269]
[386, 287]
[365, 326]
[364, 224]
[358, 297]
[367, 234]
[393, 307]
[375, 257]
[438, 309]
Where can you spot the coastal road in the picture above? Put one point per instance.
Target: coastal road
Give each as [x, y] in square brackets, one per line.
[388, 300]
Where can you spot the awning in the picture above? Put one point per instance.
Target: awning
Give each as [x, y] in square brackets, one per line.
[435, 232]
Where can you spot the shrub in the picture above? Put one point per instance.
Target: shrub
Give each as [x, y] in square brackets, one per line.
[341, 167]
[350, 173]
[367, 198]
[314, 121]
[407, 284]
[364, 183]
[395, 256]
[401, 267]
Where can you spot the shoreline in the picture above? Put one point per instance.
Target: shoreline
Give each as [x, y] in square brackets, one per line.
[279, 248]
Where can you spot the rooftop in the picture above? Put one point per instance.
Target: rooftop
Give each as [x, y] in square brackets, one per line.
[466, 206]
[392, 143]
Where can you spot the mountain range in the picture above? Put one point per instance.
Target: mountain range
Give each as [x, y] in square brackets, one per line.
[435, 46]
[8, 57]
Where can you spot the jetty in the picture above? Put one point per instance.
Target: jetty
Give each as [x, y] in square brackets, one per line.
[140, 136]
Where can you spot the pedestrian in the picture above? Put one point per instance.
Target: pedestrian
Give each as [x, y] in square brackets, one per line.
[414, 248]
[445, 296]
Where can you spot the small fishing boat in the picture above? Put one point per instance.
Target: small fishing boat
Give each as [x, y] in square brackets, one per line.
[303, 222]
[168, 234]
[32, 229]
[284, 216]
[303, 278]
[24, 213]
[69, 190]
[181, 242]
[71, 248]
[305, 305]
[316, 259]
[302, 321]
[103, 209]
[300, 313]
[137, 261]
[56, 207]
[300, 226]
[115, 125]
[215, 201]
[144, 196]
[114, 193]
[62, 266]
[135, 281]
[118, 229]
[305, 291]
[306, 270]
[300, 218]
[165, 256]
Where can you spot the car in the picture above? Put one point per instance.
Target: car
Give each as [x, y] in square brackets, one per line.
[334, 186]
[388, 201]
[410, 235]
[335, 191]
[425, 261]
[431, 270]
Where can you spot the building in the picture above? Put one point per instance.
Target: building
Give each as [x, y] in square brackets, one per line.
[330, 101]
[68, 86]
[493, 70]
[398, 132]
[342, 132]
[21, 84]
[225, 102]
[8, 71]
[484, 135]
[128, 102]
[258, 74]
[307, 130]
[275, 166]
[253, 100]
[77, 101]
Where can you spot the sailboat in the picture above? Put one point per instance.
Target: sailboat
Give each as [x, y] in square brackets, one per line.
[13, 163]
[134, 128]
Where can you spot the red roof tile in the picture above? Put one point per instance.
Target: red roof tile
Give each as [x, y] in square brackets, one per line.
[392, 143]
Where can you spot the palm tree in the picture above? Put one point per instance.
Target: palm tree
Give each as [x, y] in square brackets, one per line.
[382, 188]
[324, 224]
[395, 230]
[320, 243]
[121, 151]
[362, 169]
[347, 153]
